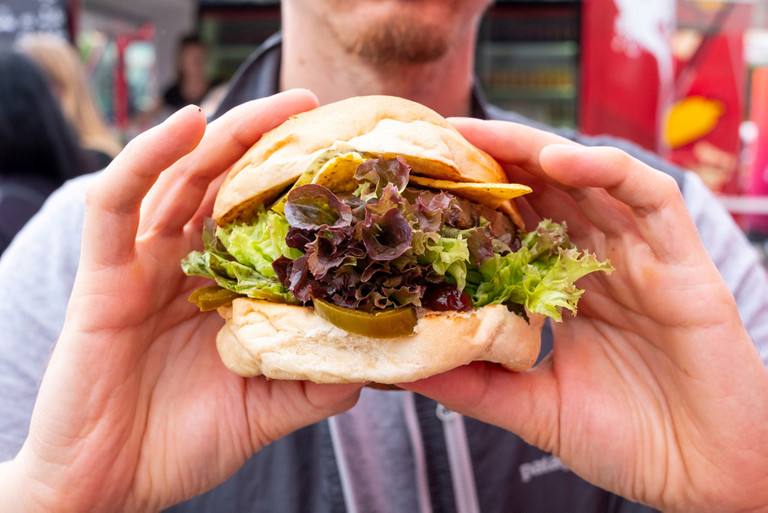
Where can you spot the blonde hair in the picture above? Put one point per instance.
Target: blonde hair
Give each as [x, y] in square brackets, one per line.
[61, 63]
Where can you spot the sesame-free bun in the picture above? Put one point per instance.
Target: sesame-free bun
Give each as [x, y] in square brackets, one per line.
[284, 341]
[293, 342]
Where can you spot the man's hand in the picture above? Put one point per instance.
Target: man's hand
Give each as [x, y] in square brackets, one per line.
[136, 411]
[654, 390]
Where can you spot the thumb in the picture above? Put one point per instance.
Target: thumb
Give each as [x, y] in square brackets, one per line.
[525, 403]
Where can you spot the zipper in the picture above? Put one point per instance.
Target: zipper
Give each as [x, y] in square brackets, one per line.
[343, 469]
[419, 456]
[462, 474]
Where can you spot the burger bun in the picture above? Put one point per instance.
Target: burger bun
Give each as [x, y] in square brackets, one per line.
[293, 342]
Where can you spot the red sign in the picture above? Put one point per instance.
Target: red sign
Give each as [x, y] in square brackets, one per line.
[758, 172]
[635, 85]
[702, 126]
[627, 68]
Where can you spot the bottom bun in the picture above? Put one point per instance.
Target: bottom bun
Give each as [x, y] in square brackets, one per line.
[293, 342]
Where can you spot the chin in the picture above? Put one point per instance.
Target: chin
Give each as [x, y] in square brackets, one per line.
[403, 31]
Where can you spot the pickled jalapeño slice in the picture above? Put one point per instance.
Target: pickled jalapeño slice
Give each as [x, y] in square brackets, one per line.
[210, 298]
[390, 323]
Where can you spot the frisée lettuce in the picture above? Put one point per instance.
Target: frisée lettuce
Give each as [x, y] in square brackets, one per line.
[540, 275]
[239, 257]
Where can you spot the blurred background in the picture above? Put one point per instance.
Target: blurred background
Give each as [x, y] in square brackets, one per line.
[687, 79]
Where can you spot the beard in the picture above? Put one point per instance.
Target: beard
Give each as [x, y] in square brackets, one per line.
[395, 40]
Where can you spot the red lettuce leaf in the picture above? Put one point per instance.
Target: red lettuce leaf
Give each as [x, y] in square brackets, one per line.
[314, 206]
[375, 174]
[387, 236]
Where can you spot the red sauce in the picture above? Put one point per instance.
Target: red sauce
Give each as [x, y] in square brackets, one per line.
[445, 297]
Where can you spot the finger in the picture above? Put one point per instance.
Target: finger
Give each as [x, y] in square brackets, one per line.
[549, 202]
[629, 180]
[577, 175]
[511, 144]
[587, 211]
[114, 199]
[295, 404]
[206, 207]
[178, 194]
[517, 148]
[524, 403]
[652, 198]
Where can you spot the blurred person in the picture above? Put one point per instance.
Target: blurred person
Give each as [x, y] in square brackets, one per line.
[61, 63]
[192, 83]
[191, 86]
[38, 148]
[620, 409]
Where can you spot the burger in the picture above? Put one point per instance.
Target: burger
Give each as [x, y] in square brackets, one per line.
[368, 241]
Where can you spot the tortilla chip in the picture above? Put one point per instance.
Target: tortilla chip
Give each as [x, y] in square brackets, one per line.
[491, 194]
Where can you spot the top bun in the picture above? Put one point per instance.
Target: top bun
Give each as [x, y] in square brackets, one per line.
[385, 126]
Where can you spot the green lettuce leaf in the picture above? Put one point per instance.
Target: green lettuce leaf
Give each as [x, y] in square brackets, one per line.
[449, 256]
[239, 257]
[259, 244]
[540, 275]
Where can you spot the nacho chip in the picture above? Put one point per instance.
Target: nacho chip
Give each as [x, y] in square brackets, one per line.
[334, 168]
[491, 194]
[338, 174]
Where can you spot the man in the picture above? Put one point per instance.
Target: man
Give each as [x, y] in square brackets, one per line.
[392, 451]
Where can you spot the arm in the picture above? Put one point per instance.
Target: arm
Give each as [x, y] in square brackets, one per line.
[36, 276]
[655, 390]
[136, 411]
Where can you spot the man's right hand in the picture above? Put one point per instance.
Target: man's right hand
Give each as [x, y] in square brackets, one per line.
[136, 411]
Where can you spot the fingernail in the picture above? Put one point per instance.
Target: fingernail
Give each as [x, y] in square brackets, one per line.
[181, 113]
